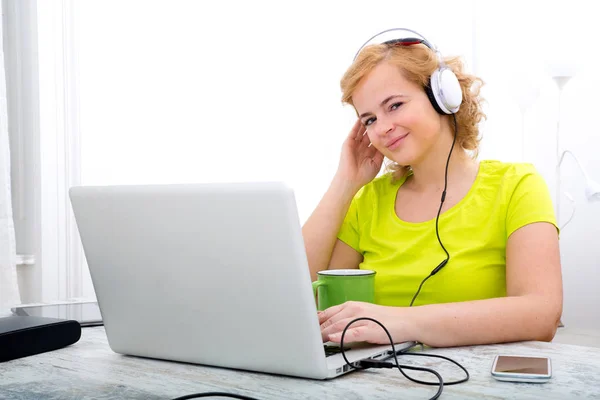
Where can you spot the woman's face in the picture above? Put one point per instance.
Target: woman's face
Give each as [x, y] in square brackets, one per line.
[401, 122]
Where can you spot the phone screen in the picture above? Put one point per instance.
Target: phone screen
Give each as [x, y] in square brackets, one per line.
[522, 365]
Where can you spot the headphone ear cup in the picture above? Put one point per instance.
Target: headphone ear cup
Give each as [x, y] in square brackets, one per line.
[432, 100]
[446, 90]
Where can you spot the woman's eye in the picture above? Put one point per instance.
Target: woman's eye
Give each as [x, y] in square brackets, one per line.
[395, 106]
[369, 121]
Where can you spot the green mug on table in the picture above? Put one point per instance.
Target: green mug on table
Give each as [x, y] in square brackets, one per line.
[337, 286]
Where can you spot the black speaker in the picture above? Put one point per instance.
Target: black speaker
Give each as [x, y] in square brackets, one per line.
[22, 336]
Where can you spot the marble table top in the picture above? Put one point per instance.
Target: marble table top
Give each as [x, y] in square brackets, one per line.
[89, 369]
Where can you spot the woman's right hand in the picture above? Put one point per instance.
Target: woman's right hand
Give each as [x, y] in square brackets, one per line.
[359, 163]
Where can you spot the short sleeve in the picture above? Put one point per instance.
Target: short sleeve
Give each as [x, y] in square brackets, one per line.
[530, 201]
[349, 231]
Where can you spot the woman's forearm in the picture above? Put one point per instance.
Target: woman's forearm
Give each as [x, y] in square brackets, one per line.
[498, 320]
[321, 229]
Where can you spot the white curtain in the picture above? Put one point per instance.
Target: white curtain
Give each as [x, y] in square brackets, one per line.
[9, 290]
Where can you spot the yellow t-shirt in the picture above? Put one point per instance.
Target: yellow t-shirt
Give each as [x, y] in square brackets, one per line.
[503, 198]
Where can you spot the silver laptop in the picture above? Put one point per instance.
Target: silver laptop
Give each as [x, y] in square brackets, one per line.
[212, 274]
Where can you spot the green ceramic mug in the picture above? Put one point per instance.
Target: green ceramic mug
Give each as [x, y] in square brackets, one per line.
[336, 286]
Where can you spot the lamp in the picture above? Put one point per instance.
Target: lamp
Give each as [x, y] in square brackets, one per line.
[525, 90]
[592, 188]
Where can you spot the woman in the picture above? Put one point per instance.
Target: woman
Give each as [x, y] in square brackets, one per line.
[498, 276]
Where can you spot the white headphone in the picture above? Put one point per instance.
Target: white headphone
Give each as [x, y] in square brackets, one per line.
[444, 91]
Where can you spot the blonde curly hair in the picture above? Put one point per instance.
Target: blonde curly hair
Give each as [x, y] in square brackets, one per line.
[417, 63]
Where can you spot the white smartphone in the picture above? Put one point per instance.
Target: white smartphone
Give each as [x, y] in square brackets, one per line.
[522, 369]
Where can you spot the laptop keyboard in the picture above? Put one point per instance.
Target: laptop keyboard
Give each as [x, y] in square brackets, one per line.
[333, 350]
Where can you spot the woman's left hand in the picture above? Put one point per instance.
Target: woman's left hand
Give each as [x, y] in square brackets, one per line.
[334, 319]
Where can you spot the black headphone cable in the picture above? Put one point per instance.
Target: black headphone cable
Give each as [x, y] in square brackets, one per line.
[437, 218]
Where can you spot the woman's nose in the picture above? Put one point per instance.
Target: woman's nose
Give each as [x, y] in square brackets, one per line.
[384, 127]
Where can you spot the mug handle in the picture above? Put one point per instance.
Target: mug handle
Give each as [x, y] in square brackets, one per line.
[316, 285]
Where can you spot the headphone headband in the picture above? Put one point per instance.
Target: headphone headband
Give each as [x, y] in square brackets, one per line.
[400, 42]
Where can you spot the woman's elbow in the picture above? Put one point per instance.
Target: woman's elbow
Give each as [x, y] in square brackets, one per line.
[548, 324]
[546, 333]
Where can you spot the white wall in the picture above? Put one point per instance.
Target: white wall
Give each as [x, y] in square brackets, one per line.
[229, 91]
[200, 91]
[516, 52]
